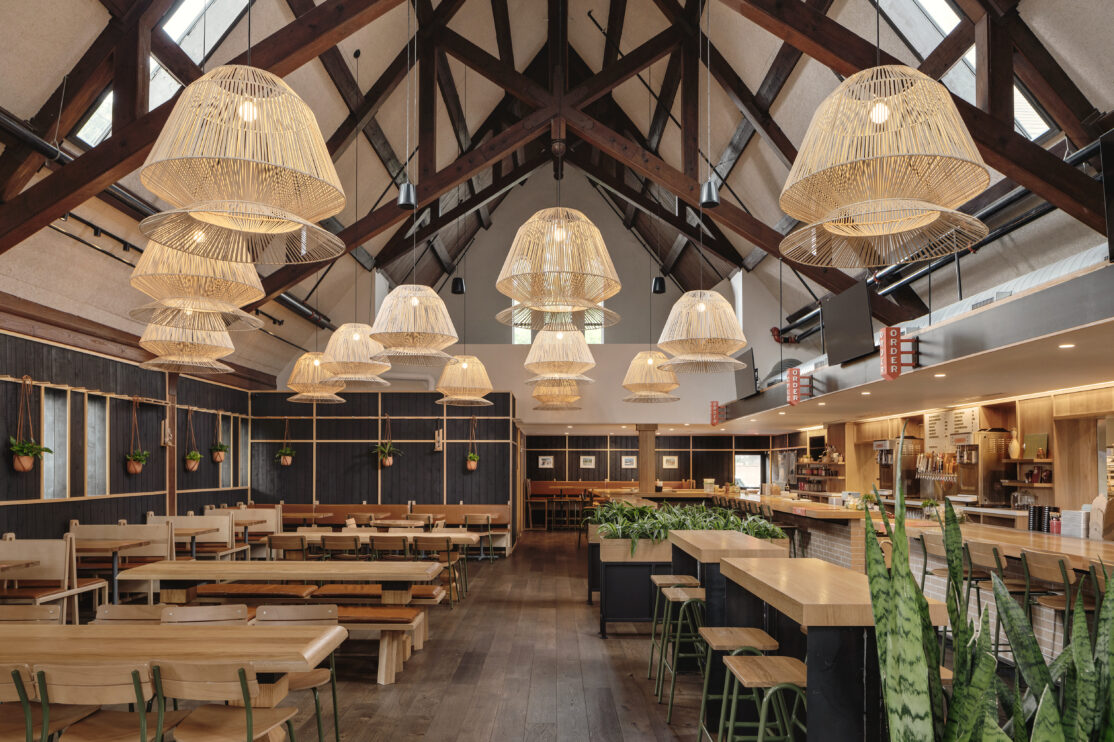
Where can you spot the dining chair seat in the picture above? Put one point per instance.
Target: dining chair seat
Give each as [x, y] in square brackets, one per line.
[118, 726]
[212, 723]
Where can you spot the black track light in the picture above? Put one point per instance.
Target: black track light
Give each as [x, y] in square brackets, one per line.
[407, 196]
[458, 285]
[658, 285]
[709, 194]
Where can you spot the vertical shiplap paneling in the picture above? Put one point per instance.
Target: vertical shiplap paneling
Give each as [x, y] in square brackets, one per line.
[346, 473]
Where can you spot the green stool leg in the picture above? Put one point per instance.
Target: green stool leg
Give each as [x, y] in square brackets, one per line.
[704, 693]
[317, 712]
[686, 632]
[653, 634]
[336, 705]
[667, 626]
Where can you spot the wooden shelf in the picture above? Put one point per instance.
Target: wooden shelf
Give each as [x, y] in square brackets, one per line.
[1027, 461]
[1012, 483]
[816, 476]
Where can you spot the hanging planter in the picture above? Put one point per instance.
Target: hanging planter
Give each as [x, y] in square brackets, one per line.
[220, 448]
[473, 459]
[136, 457]
[386, 450]
[193, 460]
[23, 446]
[193, 456]
[285, 455]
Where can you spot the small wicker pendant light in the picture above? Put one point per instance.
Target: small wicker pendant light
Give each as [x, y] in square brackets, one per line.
[316, 397]
[182, 314]
[651, 398]
[310, 377]
[559, 352]
[185, 334]
[543, 378]
[556, 395]
[523, 317]
[186, 365]
[240, 133]
[354, 356]
[178, 279]
[242, 232]
[414, 327]
[464, 383]
[558, 263]
[645, 374]
[701, 333]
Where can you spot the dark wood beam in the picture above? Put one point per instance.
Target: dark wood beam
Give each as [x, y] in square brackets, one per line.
[427, 112]
[690, 106]
[616, 16]
[173, 58]
[950, 50]
[667, 93]
[557, 35]
[994, 69]
[131, 73]
[506, 77]
[630, 65]
[280, 53]
[1005, 150]
[502, 20]
[670, 260]
[441, 254]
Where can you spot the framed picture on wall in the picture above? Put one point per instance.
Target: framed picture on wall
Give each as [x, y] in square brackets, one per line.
[628, 462]
[587, 462]
[669, 462]
[545, 462]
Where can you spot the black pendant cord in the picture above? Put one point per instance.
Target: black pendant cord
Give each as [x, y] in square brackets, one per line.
[249, 32]
[356, 207]
[877, 33]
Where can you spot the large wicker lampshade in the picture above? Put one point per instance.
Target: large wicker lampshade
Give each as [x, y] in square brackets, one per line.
[179, 279]
[646, 375]
[310, 377]
[242, 232]
[558, 394]
[559, 263]
[559, 352]
[464, 383]
[185, 334]
[186, 365]
[354, 356]
[240, 133]
[316, 398]
[701, 333]
[885, 132]
[536, 320]
[182, 314]
[414, 327]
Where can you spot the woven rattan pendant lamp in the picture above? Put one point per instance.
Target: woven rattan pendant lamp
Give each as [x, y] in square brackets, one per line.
[354, 356]
[556, 394]
[309, 377]
[559, 352]
[186, 317]
[185, 334]
[559, 271]
[464, 383]
[648, 381]
[186, 365]
[316, 398]
[702, 333]
[178, 279]
[414, 327]
[239, 133]
[883, 166]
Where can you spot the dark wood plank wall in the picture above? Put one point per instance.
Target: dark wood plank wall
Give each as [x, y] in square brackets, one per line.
[698, 456]
[335, 461]
[22, 510]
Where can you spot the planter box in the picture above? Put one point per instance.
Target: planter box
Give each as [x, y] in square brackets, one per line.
[593, 533]
[618, 550]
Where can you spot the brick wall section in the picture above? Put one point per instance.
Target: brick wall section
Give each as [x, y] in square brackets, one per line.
[838, 542]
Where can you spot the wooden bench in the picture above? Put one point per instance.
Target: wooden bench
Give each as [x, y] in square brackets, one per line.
[241, 591]
[399, 629]
[257, 534]
[53, 580]
[218, 545]
[161, 546]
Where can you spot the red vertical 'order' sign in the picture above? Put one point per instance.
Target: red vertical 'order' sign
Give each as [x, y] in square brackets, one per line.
[891, 353]
[793, 387]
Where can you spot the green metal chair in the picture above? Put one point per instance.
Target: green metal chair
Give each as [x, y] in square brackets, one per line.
[657, 638]
[776, 686]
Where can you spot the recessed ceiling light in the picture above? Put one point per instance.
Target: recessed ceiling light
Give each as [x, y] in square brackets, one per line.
[1066, 345]
[781, 413]
[754, 419]
[865, 394]
[722, 429]
[823, 403]
[687, 424]
[939, 376]
[568, 426]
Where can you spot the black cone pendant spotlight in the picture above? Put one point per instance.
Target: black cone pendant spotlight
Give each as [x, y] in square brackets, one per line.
[458, 285]
[407, 196]
[709, 194]
[658, 285]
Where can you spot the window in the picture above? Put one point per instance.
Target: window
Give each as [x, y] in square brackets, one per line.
[240, 449]
[750, 470]
[96, 445]
[226, 465]
[56, 423]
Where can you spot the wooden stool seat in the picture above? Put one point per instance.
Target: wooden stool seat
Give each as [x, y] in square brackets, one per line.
[254, 590]
[674, 581]
[212, 723]
[1059, 602]
[309, 679]
[428, 594]
[344, 590]
[348, 614]
[767, 671]
[119, 726]
[730, 638]
[946, 677]
[681, 594]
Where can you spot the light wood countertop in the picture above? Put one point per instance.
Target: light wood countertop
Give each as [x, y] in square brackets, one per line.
[708, 547]
[812, 592]
[1011, 541]
[383, 571]
[269, 648]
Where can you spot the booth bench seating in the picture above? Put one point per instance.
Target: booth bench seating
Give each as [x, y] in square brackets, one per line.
[53, 580]
[221, 544]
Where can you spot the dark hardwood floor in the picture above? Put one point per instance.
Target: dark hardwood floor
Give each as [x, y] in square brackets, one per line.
[519, 659]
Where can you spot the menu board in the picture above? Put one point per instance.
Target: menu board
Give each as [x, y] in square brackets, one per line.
[945, 428]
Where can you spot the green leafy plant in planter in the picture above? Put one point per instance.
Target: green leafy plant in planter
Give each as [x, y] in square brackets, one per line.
[193, 460]
[472, 461]
[24, 453]
[285, 456]
[386, 451]
[620, 520]
[218, 450]
[135, 459]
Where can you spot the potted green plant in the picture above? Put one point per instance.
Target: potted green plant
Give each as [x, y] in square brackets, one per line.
[285, 455]
[386, 451]
[473, 461]
[136, 459]
[218, 449]
[193, 460]
[24, 453]
[929, 507]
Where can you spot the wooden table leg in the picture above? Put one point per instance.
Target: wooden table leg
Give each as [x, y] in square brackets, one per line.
[389, 642]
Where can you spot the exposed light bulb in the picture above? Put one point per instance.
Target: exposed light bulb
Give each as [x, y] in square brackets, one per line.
[559, 234]
[248, 111]
[560, 336]
[189, 312]
[464, 365]
[701, 307]
[413, 301]
[649, 361]
[316, 361]
[879, 113]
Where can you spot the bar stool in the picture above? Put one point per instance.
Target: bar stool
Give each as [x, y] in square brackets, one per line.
[984, 555]
[660, 582]
[685, 641]
[1052, 569]
[776, 686]
[789, 528]
[733, 640]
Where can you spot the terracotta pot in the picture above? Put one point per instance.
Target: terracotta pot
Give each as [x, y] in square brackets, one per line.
[387, 461]
[134, 467]
[472, 464]
[286, 460]
[218, 456]
[23, 463]
[192, 464]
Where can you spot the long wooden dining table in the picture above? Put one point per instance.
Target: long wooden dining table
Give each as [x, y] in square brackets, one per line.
[832, 603]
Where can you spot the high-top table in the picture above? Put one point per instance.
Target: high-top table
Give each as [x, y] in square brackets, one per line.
[396, 577]
[833, 604]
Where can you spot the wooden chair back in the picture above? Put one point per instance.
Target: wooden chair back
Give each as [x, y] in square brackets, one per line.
[362, 519]
[391, 545]
[398, 529]
[440, 545]
[224, 534]
[292, 546]
[934, 544]
[210, 615]
[984, 555]
[426, 518]
[38, 614]
[480, 520]
[343, 543]
[129, 613]
[314, 529]
[55, 557]
[105, 683]
[1046, 567]
[306, 615]
[161, 536]
[9, 691]
[203, 681]
[272, 516]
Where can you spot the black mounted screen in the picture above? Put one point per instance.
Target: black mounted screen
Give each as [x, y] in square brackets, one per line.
[848, 332]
